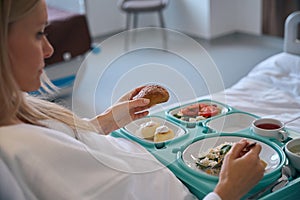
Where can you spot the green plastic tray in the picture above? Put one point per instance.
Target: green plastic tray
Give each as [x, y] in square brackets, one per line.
[169, 153]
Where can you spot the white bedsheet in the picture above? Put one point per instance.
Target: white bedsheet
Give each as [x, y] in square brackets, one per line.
[271, 89]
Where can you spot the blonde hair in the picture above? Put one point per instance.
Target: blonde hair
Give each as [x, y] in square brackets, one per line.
[15, 104]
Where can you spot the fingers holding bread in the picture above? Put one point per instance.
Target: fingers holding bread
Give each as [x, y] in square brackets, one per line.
[155, 93]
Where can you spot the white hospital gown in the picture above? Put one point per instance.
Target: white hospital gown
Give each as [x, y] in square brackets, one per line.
[43, 163]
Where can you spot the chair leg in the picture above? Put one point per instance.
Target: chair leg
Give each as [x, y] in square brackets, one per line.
[135, 20]
[161, 18]
[128, 16]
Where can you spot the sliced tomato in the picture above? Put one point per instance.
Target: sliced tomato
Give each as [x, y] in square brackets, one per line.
[209, 111]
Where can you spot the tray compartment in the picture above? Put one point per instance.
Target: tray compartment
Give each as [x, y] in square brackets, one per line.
[189, 121]
[133, 130]
[230, 123]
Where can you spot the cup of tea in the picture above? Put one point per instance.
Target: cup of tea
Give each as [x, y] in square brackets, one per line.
[270, 128]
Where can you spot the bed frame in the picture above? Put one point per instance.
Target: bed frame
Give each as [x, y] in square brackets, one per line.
[291, 34]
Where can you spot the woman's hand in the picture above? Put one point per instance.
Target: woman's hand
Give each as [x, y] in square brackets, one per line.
[121, 114]
[240, 172]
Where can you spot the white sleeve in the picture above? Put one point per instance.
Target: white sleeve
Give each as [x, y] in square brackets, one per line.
[9, 188]
[47, 164]
[212, 196]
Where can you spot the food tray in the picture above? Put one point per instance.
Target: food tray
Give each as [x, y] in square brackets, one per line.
[170, 153]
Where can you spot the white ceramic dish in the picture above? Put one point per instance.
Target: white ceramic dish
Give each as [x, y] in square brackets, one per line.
[231, 123]
[134, 127]
[292, 150]
[268, 153]
[270, 128]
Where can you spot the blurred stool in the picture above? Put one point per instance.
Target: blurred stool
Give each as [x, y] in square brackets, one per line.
[134, 7]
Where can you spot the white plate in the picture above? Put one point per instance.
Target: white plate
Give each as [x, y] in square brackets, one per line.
[133, 127]
[231, 123]
[268, 154]
[174, 111]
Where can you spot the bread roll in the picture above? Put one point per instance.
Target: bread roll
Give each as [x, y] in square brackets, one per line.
[157, 94]
[264, 163]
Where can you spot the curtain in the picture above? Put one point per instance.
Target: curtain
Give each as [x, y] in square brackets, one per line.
[275, 13]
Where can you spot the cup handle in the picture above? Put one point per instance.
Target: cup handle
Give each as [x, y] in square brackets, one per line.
[283, 134]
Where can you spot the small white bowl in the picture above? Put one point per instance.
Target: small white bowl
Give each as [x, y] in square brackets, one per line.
[291, 148]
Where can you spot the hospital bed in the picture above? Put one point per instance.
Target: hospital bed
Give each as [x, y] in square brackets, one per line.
[272, 88]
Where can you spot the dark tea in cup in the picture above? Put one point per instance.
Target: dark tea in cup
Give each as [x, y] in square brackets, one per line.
[268, 126]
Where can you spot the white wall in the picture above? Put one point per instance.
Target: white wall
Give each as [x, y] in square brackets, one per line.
[104, 17]
[222, 17]
[212, 18]
[249, 14]
[203, 18]
[69, 5]
[189, 16]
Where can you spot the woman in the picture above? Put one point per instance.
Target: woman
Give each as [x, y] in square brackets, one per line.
[49, 153]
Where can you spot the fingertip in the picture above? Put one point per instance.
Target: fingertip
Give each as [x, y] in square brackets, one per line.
[238, 147]
[141, 114]
[256, 149]
[244, 141]
[146, 113]
[139, 102]
[146, 101]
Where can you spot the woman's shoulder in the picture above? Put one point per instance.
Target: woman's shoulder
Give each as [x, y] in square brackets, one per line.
[15, 129]
[58, 126]
[30, 134]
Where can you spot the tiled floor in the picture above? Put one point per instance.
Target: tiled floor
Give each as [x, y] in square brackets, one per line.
[234, 55]
[237, 53]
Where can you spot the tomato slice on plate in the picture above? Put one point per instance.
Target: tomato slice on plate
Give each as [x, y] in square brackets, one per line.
[209, 111]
